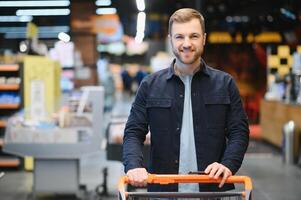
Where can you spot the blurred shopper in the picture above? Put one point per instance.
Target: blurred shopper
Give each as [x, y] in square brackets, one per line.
[194, 114]
[131, 78]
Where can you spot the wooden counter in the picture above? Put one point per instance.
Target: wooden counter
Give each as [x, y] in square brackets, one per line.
[273, 115]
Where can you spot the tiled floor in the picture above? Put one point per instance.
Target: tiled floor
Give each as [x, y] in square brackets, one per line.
[272, 180]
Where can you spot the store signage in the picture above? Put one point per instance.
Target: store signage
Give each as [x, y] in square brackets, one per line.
[225, 37]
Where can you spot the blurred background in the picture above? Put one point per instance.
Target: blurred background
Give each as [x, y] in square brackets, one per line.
[69, 71]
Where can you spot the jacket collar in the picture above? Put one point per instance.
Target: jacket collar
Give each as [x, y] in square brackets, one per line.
[203, 69]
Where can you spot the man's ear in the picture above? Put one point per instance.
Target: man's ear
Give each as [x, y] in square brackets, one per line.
[169, 38]
[204, 39]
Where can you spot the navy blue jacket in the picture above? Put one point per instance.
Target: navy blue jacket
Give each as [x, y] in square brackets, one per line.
[220, 124]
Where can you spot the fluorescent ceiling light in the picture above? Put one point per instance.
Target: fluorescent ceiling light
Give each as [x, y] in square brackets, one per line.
[64, 37]
[12, 29]
[141, 22]
[42, 12]
[42, 29]
[140, 5]
[103, 2]
[34, 3]
[15, 35]
[140, 27]
[139, 37]
[15, 18]
[106, 11]
[23, 35]
[288, 13]
[54, 28]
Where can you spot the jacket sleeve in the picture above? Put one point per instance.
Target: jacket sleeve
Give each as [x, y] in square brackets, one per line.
[237, 131]
[135, 131]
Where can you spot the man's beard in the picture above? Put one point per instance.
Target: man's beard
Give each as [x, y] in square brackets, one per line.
[196, 56]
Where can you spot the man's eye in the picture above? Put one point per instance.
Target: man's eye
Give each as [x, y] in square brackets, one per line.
[195, 36]
[179, 37]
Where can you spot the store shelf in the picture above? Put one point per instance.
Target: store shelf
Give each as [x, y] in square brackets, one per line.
[9, 87]
[9, 106]
[9, 162]
[2, 123]
[13, 71]
[9, 68]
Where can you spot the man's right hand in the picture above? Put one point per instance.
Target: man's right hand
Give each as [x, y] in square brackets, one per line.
[137, 177]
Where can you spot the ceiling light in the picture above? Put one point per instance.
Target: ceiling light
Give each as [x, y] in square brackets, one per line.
[141, 21]
[23, 46]
[23, 35]
[64, 37]
[103, 2]
[270, 18]
[139, 37]
[288, 13]
[42, 29]
[106, 11]
[140, 27]
[54, 28]
[140, 5]
[15, 18]
[34, 3]
[42, 12]
[229, 19]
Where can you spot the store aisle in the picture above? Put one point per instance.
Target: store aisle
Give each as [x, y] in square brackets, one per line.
[272, 180]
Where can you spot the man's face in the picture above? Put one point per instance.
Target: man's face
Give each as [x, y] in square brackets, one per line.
[187, 41]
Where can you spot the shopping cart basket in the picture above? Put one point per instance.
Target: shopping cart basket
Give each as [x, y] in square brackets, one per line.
[172, 178]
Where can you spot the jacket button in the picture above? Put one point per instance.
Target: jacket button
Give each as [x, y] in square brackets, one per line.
[176, 161]
[178, 128]
[181, 95]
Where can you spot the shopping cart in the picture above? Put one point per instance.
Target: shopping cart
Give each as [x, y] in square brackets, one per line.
[170, 179]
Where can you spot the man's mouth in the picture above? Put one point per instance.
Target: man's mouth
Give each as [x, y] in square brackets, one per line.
[186, 51]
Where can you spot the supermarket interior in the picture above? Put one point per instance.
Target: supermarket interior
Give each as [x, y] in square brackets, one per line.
[70, 71]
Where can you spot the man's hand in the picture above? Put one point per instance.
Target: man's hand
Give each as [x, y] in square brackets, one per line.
[215, 170]
[137, 177]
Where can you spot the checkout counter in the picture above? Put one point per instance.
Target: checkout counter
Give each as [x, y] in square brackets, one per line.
[273, 116]
[57, 152]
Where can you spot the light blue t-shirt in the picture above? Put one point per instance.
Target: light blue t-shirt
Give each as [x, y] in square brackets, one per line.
[188, 161]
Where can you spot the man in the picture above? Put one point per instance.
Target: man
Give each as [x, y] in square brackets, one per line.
[194, 114]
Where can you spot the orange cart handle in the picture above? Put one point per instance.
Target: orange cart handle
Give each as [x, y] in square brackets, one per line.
[179, 178]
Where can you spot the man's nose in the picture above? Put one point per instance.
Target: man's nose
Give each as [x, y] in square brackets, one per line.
[187, 42]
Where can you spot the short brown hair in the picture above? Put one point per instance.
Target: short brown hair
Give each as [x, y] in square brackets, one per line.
[185, 15]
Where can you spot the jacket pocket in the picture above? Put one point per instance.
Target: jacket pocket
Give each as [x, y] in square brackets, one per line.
[216, 110]
[158, 112]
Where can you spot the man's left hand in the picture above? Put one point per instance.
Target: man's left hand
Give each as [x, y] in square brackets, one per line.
[215, 170]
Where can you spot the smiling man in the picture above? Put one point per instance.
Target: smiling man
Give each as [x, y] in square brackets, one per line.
[194, 114]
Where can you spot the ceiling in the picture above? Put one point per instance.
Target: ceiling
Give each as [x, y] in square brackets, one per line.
[221, 15]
